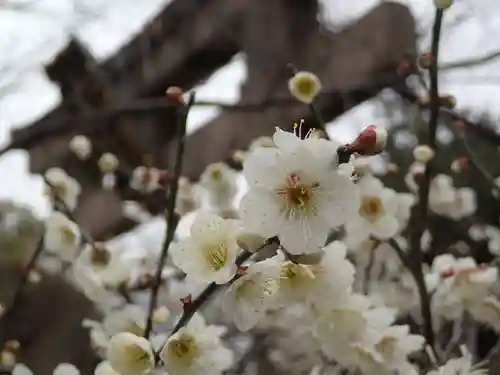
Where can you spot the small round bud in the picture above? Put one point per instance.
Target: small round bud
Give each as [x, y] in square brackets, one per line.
[423, 153]
[443, 4]
[175, 93]
[81, 146]
[426, 60]
[459, 165]
[304, 86]
[250, 242]
[108, 163]
[161, 315]
[448, 101]
[371, 141]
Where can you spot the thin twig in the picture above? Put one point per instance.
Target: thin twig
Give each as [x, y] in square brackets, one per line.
[171, 217]
[425, 305]
[415, 257]
[470, 62]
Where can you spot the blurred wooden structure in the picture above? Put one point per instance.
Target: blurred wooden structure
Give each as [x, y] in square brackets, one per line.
[187, 42]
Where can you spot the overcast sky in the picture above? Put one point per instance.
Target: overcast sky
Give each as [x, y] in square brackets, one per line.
[31, 34]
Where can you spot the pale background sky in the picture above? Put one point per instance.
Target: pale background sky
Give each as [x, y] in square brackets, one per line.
[32, 31]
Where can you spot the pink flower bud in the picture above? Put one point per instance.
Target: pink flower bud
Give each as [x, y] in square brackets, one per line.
[371, 141]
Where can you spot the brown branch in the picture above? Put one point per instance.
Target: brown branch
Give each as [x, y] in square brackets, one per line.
[467, 63]
[171, 217]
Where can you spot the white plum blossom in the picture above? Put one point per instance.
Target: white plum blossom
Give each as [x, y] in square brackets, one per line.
[378, 211]
[196, 349]
[129, 354]
[250, 296]
[446, 200]
[62, 236]
[315, 284]
[108, 264]
[458, 284]
[296, 192]
[145, 179]
[130, 318]
[62, 187]
[220, 183]
[304, 86]
[210, 252]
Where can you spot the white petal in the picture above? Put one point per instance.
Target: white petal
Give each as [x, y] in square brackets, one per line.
[262, 168]
[205, 223]
[306, 236]
[286, 141]
[20, 369]
[260, 212]
[385, 227]
[358, 227]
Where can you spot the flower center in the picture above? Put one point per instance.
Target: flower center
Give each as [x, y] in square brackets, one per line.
[68, 236]
[297, 195]
[216, 174]
[100, 256]
[184, 348]
[305, 86]
[371, 208]
[216, 256]
[60, 189]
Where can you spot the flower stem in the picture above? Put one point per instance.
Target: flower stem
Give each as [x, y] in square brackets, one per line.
[171, 217]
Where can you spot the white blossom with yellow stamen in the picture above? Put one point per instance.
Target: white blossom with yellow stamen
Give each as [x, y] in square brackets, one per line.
[377, 215]
[297, 192]
[129, 354]
[209, 254]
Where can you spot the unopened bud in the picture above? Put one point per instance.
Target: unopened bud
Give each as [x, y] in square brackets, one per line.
[108, 163]
[80, 146]
[250, 242]
[459, 165]
[161, 315]
[175, 93]
[426, 60]
[423, 153]
[443, 4]
[371, 141]
[448, 101]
